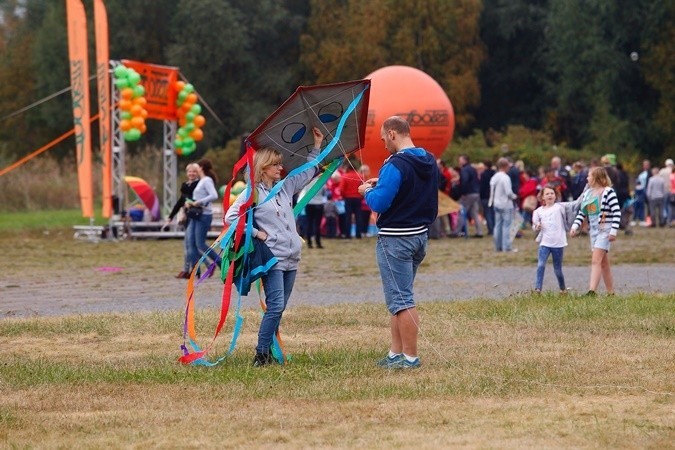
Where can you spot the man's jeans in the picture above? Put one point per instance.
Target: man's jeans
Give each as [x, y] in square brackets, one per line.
[557, 253]
[489, 214]
[639, 205]
[398, 258]
[502, 232]
[278, 286]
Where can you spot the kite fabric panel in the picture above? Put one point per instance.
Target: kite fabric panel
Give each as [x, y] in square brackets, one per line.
[289, 128]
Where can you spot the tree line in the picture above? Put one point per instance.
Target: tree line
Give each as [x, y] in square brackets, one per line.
[595, 75]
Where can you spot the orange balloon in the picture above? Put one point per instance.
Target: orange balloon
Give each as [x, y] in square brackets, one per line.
[182, 121]
[124, 104]
[144, 113]
[137, 122]
[127, 93]
[140, 101]
[125, 125]
[197, 134]
[136, 110]
[186, 105]
[199, 121]
[419, 99]
[192, 98]
[179, 85]
[144, 128]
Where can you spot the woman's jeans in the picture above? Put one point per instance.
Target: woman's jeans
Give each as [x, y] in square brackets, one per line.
[502, 231]
[278, 285]
[557, 254]
[195, 235]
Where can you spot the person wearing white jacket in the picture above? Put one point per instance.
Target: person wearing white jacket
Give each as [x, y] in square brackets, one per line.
[275, 225]
[198, 225]
[501, 199]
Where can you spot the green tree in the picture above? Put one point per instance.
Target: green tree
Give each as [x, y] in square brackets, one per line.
[240, 56]
[659, 67]
[511, 77]
[350, 39]
[17, 82]
[601, 99]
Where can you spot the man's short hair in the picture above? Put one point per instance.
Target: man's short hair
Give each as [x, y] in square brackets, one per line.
[503, 163]
[397, 124]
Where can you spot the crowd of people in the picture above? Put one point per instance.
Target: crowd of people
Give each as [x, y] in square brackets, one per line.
[489, 202]
[651, 203]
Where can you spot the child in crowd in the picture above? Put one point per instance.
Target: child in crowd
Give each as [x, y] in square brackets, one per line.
[549, 221]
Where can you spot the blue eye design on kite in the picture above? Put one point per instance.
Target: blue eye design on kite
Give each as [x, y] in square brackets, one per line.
[293, 132]
[330, 112]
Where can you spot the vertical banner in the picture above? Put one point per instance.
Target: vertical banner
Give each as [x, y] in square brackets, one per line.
[79, 80]
[103, 83]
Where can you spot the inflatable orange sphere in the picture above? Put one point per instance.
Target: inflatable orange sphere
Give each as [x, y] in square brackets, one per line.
[412, 94]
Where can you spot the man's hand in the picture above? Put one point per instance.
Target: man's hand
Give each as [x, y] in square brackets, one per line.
[363, 187]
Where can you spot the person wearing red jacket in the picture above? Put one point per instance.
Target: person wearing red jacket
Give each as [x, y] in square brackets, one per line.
[349, 187]
[529, 188]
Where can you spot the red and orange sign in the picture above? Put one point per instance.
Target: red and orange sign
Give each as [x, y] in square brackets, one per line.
[158, 82]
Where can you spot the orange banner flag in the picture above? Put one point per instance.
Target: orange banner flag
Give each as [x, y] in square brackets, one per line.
[79, 80]
[103, 82]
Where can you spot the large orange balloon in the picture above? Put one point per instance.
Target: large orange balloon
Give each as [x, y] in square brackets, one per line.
[415, 96]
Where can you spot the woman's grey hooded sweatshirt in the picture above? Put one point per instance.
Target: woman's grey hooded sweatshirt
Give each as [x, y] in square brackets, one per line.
[275, 217]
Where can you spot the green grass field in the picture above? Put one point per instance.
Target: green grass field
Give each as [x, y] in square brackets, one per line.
[525, 371]
[545, 371]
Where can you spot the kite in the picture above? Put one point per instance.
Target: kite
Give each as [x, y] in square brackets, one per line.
[289, 128]
[340, 110]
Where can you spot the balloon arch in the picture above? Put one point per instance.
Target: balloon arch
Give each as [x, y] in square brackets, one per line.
[143, 91]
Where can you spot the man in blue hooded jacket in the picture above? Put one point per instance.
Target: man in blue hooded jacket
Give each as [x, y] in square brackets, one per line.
[406, 198]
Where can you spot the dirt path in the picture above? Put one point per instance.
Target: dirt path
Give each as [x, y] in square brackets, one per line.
[122, 291]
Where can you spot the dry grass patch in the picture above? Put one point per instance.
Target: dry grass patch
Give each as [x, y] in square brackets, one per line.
[524, 372]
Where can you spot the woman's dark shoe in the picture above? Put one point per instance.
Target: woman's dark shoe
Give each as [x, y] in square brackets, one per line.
[262, 359]
[183, 274]
[590, 294]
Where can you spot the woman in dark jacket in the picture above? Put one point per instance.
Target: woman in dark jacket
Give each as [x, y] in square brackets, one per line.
[186, 190]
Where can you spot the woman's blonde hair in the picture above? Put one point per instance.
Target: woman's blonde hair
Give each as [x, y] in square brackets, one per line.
[600, 177]
[262, 159]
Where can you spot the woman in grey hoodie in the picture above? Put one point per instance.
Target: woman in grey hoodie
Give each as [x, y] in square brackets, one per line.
[275, 225]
